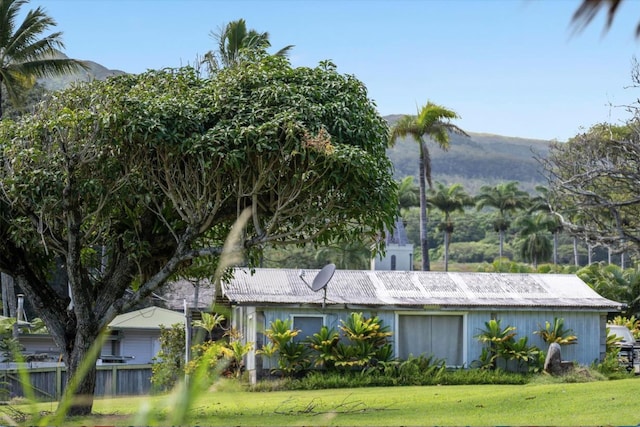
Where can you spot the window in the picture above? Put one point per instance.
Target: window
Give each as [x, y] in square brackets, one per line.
[308, 326]
[393, 262]
[438, 335]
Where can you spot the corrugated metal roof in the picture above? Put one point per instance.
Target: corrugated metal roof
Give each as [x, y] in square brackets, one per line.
[416, 288]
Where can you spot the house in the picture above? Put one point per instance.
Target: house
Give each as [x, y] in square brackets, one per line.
[135, 336]
[437, 313]
[133, 339]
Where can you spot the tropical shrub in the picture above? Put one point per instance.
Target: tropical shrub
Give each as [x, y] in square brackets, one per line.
[368, 342]
[501, 345]
[556, 332]
[323, 344]
[293, 356]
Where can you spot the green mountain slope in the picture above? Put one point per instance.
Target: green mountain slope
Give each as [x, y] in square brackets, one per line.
[474, 161]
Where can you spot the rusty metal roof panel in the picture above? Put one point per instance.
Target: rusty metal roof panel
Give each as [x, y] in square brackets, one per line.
[416, 288]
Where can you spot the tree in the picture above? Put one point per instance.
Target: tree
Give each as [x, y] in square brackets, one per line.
[156, 168]
[354, 255]
[433, 122]
[589, 9]
[235, 42]
[535, 244]
[24, 56]
[593, 186]
[614, 283]
[448, 200]
[540, 203]
[408, 193]
[507, 198]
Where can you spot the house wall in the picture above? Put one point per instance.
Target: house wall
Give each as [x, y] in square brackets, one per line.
[141, 346]
[587, 326]
[39, 344]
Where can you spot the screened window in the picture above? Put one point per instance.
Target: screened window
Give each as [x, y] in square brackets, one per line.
[441, 336]
[393, 262]
[308, 326]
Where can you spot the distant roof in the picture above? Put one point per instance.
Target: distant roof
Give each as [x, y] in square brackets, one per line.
[417, 289]
[147, 318]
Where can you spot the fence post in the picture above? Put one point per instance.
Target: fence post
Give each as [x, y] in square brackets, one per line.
[58, 382]
[114, 381]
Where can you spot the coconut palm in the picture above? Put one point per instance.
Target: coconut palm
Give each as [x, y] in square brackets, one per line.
[432, 122]
[24, 54]
[535, 243]
[507, 198]
[408, 193]
[448, 200]
[540, 203]
[234, 42]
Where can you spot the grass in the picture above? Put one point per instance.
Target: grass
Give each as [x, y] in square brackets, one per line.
[537, 403]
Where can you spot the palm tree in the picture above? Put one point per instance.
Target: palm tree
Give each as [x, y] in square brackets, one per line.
[540, 203]
[448, 200]
[234, 41]
[433, 122]
[24, 55]
[507, 199]
[408, 193]
[535, 245]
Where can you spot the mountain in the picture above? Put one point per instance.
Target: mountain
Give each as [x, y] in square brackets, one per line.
[94, 71]
[473, 161]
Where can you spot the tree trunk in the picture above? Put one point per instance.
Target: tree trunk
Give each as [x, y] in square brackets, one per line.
[424, 242]
[575, 251]
[501, 235]
[84, 385]
[555, 248]
[446, 251]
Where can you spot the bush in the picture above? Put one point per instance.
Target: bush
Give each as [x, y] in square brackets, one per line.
[168, 365]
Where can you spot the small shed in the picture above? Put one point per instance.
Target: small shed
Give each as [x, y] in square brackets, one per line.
[135, 335]
[437, 313]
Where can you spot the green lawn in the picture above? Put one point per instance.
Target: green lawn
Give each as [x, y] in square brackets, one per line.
[595, 403]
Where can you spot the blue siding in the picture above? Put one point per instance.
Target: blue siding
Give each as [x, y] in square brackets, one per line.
[587, 326]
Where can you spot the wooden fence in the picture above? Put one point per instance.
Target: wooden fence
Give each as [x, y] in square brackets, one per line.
[48, 383]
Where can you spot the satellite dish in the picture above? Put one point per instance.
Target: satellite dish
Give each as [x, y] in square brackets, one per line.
[323, 277]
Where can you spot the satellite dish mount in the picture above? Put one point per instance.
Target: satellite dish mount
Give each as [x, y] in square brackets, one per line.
[321, 280]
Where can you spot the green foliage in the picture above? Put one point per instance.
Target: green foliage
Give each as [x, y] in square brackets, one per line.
[293, 356]
[324, 343]
[556, 332]
[104, 154]
[364, 344]
[10, 348]
[168, 365]
[209, 322]
[615, 283]
[501, 345]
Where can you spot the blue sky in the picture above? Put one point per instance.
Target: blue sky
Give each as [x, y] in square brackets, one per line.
[508, 67]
